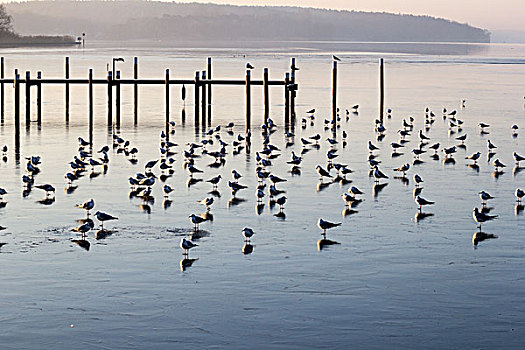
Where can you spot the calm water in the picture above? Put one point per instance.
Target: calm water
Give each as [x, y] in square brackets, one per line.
[392, 282]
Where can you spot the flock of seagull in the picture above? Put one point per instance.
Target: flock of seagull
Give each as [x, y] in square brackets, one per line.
[215, 146]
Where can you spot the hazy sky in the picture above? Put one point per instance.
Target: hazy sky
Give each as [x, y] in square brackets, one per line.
[487, 14]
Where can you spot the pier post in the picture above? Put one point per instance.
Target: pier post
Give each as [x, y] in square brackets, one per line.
[135, 91]
[167, 101]
[39, 99]
[2, 67]
[209, 90]
[197, 98]
[67, 90]
[16, 103]
[286, 99]
[292, 92]
[248, 100]
[90, 93]
[334, 92]
[117, 98]
[28, 99]
[266, 95]
[204, 107]
[110, 99]
[381, 90]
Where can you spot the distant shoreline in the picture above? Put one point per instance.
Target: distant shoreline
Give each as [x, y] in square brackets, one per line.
[38, 40]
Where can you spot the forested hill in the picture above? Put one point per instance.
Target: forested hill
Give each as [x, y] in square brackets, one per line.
[154, 20]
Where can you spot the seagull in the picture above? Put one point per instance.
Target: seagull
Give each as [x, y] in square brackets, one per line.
[281, 202]
[47, 187]
[422, 201]
[423, 136]
[449, 151]
[104, 217]
[462, 138]
[196, 220]
[335, 58]
[326, 225]
[355, 191]
[435, 147]
[311, 111]
[371, 147]
[167, 190]
[519, 194]
[236, 175]
[490, 146]
[247, 233]
[186, 245]
[378, 175]
[417, 179]
[249, 66]
[497, 164]
[215, 181]
[193, 170]
[403, 169]
[485, 196]
[474, 157]
[208, 201]
[481, 217]
[518, 159]
[322, 172]
[483, 126]
[84, 228]
[87, 206]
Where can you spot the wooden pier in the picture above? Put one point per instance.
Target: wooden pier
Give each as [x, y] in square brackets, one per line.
[202, 84]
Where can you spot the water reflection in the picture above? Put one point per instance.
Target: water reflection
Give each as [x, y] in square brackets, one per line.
[420, 216]
[480, 236]
[247, 248]
[103, 233]
[186, 263]
[378, 188]
[519, 209]
[323, 243]
[82, 243]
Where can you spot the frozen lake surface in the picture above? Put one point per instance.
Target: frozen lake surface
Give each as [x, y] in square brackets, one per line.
[392, 281]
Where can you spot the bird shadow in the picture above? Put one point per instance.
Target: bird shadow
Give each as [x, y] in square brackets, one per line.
[404, 180]
[449, 160]
[247, 248]
[497, 174]
[193, 181]
[167, 203]
[235, 201]
[196, 235]
[325, 243]
[281, 215]
[103, 234]
[474, 167]
[186, 263]
[82, 243]
[378, 188]
[215, 193]
[70, 189]
[519, 209]
[516, 170]
[420, 216]
[348, 211]
[417, 191]
[323, 185]
[47, 201]
[480, 236]
[259, 208]
[417, 162]
[146, 208]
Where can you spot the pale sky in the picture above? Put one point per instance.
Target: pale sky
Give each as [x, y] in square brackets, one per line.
[487, 14]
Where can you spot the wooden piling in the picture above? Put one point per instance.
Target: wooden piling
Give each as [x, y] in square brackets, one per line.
[248, 100]
[90, 98]
[292, 92]
[266, 96]
[39, 99]
[16, 103]
[67, 90]
[167, 103]
[209, 90]
[381, 90]
[197, 99]
[135, 91]
[334, 92]
[286, 99]
[117, 98]
[2, 102]
[204, 107]
[110, 100]
[28, 99]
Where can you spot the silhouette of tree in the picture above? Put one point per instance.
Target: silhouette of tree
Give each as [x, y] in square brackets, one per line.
[6, 21]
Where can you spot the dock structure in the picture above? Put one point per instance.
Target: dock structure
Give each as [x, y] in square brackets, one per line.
[202, 83]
